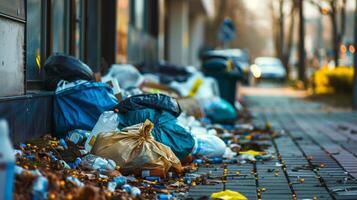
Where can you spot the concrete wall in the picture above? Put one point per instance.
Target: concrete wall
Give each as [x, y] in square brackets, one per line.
[178, 31]
[11, 57]
[197, 33]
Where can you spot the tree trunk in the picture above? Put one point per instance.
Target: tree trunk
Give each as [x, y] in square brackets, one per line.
[301, 44]
[275, 28]
[342, 25]
[335, 35]
[354, 97]
[281, 30]
[290, 41]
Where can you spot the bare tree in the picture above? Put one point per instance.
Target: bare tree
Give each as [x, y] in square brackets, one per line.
[283, 42]
[354, 93]
[335, 8]
[276, 28]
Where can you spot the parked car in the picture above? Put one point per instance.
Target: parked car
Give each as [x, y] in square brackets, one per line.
[240, 59]
[268, 68]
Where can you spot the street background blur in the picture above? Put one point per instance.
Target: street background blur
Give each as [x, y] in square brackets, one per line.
[178, 99]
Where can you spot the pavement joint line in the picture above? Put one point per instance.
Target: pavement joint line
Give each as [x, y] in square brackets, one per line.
[283, 167]
[323, 129]
[290, 115]
[327, 153]
[259, 195]
[321, 179]
[339, 131]
[303, 152]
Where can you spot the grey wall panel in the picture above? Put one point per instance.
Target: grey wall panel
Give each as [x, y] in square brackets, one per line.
[13, 8]
[11, 57]
[142, 47]
[29, 116]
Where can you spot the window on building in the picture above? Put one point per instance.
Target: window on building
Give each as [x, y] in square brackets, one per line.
[52, 26]
[122, 30]
[139, 14]
[60, 26]
[79, 29]
[33, 46]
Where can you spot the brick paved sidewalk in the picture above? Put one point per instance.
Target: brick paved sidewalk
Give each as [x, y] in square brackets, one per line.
[318, 147]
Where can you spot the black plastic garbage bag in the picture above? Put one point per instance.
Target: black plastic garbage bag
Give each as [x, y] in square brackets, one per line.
[159, 102]
[64, 67]
[166, 130]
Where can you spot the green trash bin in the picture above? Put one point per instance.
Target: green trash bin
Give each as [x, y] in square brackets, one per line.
[226, 75]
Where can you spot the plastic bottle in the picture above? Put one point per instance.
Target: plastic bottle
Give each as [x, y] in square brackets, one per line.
[39, 188]
[120, 180]
[153, 178]
[108, 121]
[7, 161]
[135, 192]
[91, 161]
[126, 188]
[112, 186]
[164, 196]
[160, 172]
[77, 136]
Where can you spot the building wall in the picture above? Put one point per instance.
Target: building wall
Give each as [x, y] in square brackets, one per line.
[142, 47]
[197, 34]
[11, 57]
[178, 31]
[143, 31]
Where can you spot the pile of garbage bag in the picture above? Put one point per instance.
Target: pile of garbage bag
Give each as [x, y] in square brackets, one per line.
[129, 137]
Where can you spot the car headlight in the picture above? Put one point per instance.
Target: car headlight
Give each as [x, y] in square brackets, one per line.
[256, 71]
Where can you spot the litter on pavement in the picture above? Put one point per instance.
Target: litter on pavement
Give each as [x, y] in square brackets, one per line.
[145, 145]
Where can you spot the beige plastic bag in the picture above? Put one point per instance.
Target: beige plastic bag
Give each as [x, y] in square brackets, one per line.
[133, 149]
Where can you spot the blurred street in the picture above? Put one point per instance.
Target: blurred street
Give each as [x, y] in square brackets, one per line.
[178, 99]
[271, 89]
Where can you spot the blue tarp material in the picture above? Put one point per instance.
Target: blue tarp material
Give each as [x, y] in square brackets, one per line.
[79, 107]
[219, 110]
[166, 130]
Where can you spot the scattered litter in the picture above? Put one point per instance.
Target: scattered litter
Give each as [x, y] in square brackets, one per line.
[91, 161]
[78, 136]
[75, 181]
[252, 152]
[39, 188]
[228, 195]
[142, 147]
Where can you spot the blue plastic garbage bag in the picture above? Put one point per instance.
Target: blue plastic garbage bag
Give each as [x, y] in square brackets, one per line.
[80, 106]
[155, 101]
[166, 130]
[219, 110]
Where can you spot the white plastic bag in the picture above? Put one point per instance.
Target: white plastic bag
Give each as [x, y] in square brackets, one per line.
[208, 145]
[108, 121]
[207, 89]
[62, 84]
[127, 75]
